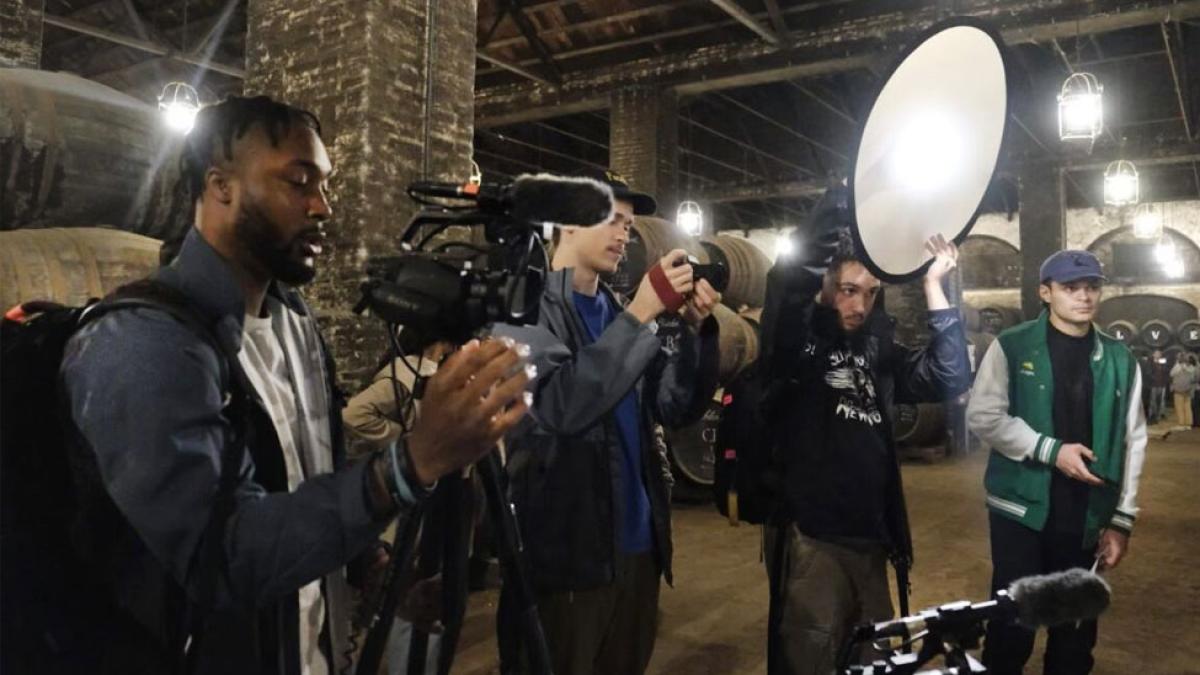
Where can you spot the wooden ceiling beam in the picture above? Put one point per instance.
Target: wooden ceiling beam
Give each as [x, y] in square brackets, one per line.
[143, 45]
[733, 9]
[848, 45]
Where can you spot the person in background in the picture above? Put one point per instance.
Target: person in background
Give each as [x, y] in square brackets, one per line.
[379, 414]
[1059, 403]
[1183, 385]
[1160, 381]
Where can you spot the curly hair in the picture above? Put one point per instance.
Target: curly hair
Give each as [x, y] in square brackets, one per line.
[219, 126]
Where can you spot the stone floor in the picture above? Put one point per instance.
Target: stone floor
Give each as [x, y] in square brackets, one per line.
[714, 620]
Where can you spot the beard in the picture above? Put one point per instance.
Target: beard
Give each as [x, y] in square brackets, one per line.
[283, 260]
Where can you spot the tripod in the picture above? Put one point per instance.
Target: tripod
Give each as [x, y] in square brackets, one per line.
[451, 532]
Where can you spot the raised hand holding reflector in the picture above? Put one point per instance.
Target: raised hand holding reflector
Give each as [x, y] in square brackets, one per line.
[929, 147]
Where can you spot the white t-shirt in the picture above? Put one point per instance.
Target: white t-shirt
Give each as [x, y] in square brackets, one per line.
[262, 357]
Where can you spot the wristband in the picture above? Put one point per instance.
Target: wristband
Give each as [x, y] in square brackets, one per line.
[663, 289]
[405, 488]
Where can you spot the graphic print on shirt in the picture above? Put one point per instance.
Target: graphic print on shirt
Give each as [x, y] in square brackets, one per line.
[848, 375]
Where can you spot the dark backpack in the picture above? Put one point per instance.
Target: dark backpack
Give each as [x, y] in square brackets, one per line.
[746, 480]
[53, 595]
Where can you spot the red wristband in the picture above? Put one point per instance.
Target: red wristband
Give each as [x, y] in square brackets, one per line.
[662, 287]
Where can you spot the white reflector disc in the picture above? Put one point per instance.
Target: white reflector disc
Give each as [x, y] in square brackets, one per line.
[929, 148]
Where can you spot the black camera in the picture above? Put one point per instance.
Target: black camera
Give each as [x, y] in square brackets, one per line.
[451, 291]
[716, 274]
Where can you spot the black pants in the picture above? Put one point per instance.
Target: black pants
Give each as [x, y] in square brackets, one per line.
[1018, 551]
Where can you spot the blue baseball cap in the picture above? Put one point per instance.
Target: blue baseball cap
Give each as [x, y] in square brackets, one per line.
[1067, 266]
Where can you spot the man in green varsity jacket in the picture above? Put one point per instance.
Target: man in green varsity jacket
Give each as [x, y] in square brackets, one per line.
[1060, 404]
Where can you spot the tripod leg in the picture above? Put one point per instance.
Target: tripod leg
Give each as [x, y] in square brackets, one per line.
[512, 563]
[402, 552]
[428, 564]
[454, 572]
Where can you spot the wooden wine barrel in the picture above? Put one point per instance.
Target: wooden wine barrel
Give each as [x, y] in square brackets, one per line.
[692, 448]
[994, 319]
[919, 425]
[1122, 330]
[1188, 334]
[1157, 334]
[71, 265]
[650, 239]
[747, 265]
[74, 153]
[738, 343]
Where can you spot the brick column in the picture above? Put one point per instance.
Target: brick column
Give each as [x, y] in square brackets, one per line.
[393, 84]
[644, 142]
[21, 33]
[1042, 228]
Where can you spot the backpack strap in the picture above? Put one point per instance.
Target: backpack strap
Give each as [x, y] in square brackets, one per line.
[153, 294]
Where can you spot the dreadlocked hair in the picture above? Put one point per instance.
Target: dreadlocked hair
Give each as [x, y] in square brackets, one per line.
[219, 126]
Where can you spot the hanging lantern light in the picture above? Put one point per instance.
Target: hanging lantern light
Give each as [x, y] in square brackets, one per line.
[1120, 183]
[476, 174]
[1080, 108]
[690, 218]
[179, 104]
[783, 244]
[1147, 222]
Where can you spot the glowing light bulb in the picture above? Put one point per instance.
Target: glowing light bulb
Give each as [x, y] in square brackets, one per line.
[690, 218]
[180, 117]
[1147, 224]
[1080, 109]
[1120, 183]
[179, 104]
[784, 245]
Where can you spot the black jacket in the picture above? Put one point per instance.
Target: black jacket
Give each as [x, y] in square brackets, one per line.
[146, 397]
[564, 460]
[798, 334]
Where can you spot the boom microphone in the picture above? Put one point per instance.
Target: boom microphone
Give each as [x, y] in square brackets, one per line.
[1063, 597]
[562, 200]
[533, 198]
[1043, 600]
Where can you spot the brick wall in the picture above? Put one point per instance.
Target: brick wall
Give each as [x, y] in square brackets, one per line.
[21, 33]
[362, 66]
[644, 142]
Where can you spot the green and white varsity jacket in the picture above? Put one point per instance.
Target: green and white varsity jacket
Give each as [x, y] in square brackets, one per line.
[1011, 409]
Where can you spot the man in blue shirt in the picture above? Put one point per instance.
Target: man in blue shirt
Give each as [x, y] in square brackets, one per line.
[591, 490]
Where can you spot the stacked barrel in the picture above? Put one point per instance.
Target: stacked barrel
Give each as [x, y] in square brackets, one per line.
[1157, 335]
[89, 185]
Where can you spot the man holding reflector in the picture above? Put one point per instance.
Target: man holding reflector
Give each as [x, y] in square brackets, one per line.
[834, 370]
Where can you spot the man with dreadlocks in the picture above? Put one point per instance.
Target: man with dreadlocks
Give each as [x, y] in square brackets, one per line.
[253, 583]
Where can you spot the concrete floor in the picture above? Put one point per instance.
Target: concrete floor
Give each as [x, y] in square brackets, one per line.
[714, 620]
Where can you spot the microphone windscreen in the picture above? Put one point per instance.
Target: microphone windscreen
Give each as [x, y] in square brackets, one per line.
[1062, 597]
[563, 200]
